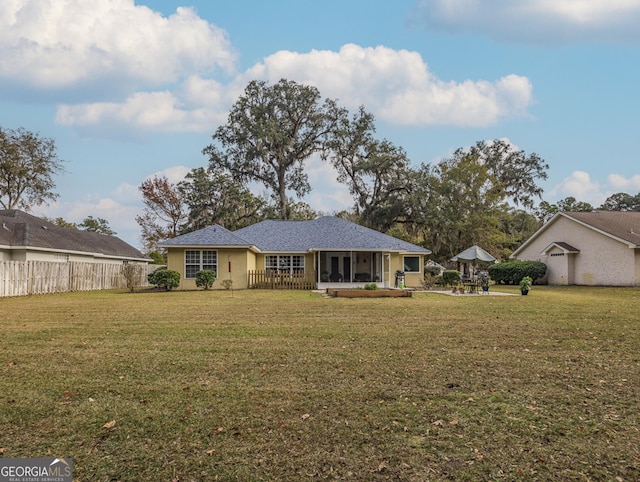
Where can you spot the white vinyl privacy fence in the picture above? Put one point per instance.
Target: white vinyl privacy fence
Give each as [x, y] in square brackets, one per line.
[21, 278]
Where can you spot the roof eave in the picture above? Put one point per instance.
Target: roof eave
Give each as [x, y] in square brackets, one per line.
[71, 251]
[540, 230]
[367, 250]
[211, 246]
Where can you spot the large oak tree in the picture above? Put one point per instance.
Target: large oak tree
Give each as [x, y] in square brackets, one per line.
[376, 172]
[464, 200]
[271, 131]
[213, 197]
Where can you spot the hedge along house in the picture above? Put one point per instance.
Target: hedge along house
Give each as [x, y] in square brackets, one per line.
[321, 253]
[598, 248]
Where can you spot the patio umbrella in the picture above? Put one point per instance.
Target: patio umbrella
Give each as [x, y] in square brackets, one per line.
[473, 255]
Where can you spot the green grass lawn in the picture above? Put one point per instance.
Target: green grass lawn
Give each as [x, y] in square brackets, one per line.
[275, 385]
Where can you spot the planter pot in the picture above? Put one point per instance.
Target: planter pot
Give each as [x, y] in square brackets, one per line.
[524, 292]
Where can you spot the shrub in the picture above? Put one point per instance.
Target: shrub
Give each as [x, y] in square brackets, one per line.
[164, 278]
[151, 277]
[451, 277]
[205, 278]
[227, 283]
[131, 273]
[525, 283]
[429, 281]
[371, 286]
[512, 272]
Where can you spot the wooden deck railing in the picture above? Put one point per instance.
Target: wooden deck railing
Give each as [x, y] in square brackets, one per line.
[272, 280]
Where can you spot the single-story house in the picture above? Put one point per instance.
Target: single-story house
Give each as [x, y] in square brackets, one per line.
[324, 252]
[24, 237]
[598, 248]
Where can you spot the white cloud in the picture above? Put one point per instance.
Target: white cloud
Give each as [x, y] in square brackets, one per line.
[396, 85]
[199, 105]
[140, 71]
[619, 183]
[539, 21]
[174, 174]
[581, 186]
[127, 193]
[64, 43]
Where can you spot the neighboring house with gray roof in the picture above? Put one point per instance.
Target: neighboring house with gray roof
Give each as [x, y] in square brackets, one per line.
[598, 248]
[24, 237]
[327, 251]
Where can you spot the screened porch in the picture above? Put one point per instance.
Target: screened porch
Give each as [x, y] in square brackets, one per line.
[352, 268]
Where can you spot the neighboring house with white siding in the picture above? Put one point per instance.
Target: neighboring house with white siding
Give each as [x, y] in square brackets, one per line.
[598, 248]
[24, 237]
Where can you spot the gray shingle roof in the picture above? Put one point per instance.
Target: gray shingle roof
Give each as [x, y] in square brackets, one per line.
[214, 235]
[21, 230]
[326, 233]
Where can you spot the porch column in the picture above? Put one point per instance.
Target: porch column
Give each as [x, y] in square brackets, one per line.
[316, 266]
[388, 259]
[352, 262]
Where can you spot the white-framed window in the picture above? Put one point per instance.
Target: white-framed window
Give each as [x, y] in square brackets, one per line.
[196, 260]
[270, 263]
[411, 264]
[61, 257]
[284, 263]
[297, 264]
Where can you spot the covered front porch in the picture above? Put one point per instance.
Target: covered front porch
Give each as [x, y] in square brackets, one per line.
[352, 269]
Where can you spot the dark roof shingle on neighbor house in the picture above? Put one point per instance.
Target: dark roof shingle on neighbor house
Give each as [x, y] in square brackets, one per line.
[624, 225]
[324, 233]
[22, 230]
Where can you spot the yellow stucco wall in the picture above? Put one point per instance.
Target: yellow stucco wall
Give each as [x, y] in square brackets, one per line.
[411, 280]
[414, 280]
[241, 261]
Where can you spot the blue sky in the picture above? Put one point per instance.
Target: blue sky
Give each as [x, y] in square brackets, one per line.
[130, 90]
